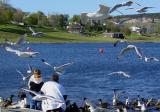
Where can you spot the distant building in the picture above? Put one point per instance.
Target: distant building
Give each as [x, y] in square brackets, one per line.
[74, 28]
[135, 30]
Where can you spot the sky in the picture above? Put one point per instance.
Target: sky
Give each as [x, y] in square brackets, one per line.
[76, 7]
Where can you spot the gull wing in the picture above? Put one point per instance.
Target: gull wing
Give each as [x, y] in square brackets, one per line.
[123, 51]
[103, 9]
[155, 59]
[46, 63]
[30, 91]
[126, 75]
[115, 8]
[138, 52]
[29, 76]
[121, 22]
[84, 18]
[115, 44]
[20, 73]
[112, 73]
[31, 30]
[9, 49]
[21, 40]
[62, 67]
[29, 68]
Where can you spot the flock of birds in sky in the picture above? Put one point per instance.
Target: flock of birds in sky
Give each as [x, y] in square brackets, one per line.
[104, 12]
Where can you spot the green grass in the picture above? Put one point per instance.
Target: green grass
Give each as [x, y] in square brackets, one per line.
[12, 32]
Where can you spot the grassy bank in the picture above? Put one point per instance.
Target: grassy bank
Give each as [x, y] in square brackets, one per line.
[12, 32]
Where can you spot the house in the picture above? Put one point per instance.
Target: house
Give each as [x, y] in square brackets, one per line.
[135, 29]
[74, 28]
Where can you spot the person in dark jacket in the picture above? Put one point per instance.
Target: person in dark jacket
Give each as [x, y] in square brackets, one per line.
[35, 83]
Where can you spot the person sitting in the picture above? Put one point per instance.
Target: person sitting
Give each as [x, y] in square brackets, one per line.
[54, 89]
[35, 83]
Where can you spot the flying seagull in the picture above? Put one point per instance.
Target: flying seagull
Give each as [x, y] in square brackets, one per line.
[120, 73]
[120, 23]
[101, 14]
[36, 34]
[24, 78]
[129, 3]
[128, 48]
[143, 10]
[146, 59]
[58, 69]
[119, 41]
[25, 54]
[41, 97]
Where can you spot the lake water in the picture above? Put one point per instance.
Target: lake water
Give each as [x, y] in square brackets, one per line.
[88, 76]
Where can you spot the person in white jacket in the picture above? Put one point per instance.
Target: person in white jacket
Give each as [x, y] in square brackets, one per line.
[54, 89]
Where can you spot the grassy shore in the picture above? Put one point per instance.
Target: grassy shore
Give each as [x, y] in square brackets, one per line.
[12, 32]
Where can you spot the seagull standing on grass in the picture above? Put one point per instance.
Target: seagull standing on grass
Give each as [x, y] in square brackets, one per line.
[120, 73]
[131, 47]
[58, 69]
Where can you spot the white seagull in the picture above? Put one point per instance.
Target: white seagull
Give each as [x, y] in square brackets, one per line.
[24, 78]
[36, 34]
[129, 3]
[146, 59]
[143, 10]
[128, 48]
[25, 54]
[41, 97]
[101, 14]
[120, 73]
[93, 108]
[58, 69]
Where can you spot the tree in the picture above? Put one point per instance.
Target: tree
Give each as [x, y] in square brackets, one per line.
[18, 16]
[58, 21]
[126, 30]
[32, 19]
[76, 18]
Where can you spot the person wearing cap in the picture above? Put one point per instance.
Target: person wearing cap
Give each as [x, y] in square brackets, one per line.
[35, 83]
[54, 89]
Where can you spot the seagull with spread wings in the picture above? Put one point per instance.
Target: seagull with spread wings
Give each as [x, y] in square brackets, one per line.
[129, 3]
[24, 78]
[120, 73]
[36, 34]
[41, 97]
[25, 54]
[131, 47]
[58, 69]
